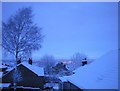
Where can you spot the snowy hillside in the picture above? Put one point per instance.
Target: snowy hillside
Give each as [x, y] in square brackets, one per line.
[101, 74]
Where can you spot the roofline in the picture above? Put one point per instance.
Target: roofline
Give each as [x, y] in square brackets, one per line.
[17, 66]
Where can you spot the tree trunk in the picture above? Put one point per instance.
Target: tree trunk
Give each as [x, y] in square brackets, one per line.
[16, 56]
[15, 80]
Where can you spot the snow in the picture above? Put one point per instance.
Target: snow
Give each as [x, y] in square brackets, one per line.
[101, 74]
[3, 66]
[37, 70]
[4, 85]
[9, 69]
[1, 73]
[63, 79]
[50, 85]
[27, 88]
[56, 86]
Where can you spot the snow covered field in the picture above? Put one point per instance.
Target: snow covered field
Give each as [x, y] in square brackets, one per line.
[101, 74]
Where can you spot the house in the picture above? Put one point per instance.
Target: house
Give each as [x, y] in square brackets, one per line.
[3, 68]
[100, 74]
[27, 75]
[67, 85]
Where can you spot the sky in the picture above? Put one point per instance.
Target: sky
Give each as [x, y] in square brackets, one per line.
[88, 28]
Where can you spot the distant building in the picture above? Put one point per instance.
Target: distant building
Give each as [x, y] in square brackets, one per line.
[61, 69]
[60, 66]
[28, 75]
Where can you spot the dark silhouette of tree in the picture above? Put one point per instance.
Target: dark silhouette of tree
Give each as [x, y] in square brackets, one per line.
[49, 62]
[20, 35]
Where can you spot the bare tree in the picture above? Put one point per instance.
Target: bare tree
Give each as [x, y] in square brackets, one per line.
[76, 60]
[20, 35]
[48, 62]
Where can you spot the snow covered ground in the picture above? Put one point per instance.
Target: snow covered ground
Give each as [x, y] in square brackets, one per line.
[101, 74]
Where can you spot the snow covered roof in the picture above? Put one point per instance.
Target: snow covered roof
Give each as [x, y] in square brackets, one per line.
[9, 69]
[101, 74]
[37, 70]
[4, 85]
[63, 79]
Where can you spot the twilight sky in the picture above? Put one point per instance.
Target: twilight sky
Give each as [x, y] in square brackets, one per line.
[90, 28]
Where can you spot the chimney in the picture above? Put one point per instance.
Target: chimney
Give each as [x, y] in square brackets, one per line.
[30, 61]
[84, 62]
[19, 61]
